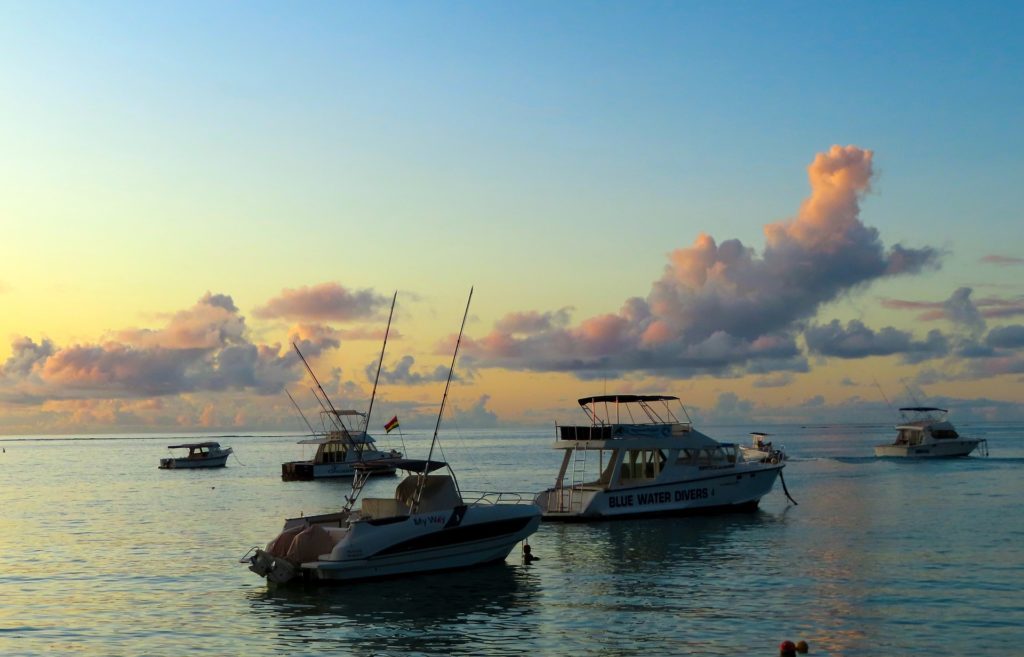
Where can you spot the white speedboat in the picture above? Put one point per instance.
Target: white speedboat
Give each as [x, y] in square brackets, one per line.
[762, 450]
[636, 458]
[200, 455]
[342, 443]
[926, 433]
[427, 526]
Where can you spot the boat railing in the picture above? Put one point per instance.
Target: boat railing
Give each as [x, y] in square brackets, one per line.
[496, 497]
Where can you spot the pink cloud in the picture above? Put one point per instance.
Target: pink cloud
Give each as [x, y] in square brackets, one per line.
[326, 301]
[722, 306]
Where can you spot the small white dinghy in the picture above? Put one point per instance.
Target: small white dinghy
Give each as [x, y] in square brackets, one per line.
[200, 455]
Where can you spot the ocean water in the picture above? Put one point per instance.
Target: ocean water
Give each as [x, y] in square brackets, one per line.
[101, 553]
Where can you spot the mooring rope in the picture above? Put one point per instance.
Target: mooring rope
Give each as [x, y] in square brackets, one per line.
[786, 490]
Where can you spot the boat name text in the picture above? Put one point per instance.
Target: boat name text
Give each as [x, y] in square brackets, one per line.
[661, 497]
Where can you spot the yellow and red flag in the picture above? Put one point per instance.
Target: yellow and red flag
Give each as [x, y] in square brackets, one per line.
[392, 424]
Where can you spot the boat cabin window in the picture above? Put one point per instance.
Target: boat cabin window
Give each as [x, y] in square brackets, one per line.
[642, 464]
[688, 456]
[708, 456]
[333, 452]
[945, 434]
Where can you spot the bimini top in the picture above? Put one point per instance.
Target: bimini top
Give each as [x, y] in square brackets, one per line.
[192, 445]
[354, 437]
[625, 399]
[409, 465]
[923, 409]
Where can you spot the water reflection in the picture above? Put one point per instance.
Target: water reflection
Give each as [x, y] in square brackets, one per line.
[483, 610]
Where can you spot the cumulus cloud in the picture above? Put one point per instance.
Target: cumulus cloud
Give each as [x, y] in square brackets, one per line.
[25, 355]
[960, 308]
[856, 340]
[314, 339]
[721, 307]
[327, 301]
[402, 373]
[477, 416]
[1006, 337]
[199, 349]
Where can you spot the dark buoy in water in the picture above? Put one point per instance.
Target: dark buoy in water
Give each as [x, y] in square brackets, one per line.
[787, 649]
[801, 646]
[528, 553]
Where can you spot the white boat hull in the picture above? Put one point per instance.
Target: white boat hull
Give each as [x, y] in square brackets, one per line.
[735, 490]
[194, 464]
[441, 540]
[944, 449]
[307, 470]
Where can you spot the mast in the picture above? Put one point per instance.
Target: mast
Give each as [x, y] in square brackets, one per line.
[380, 363]
[440, 412]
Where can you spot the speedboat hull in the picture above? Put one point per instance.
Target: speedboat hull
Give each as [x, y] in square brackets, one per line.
[739, 489]
[944, 449]
[457, 538]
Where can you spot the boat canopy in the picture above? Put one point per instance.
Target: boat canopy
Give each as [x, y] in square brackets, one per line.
[192, 445]
[409, 465]
[923, 409]
[356, 437]
[625, 399]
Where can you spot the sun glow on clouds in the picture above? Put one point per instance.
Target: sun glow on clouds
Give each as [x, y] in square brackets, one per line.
[722, 307]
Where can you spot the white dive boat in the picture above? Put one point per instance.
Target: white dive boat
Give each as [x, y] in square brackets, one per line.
[427, 526]
[637, 459]
[342, 443]
[200, 455]
[762, 450]
[926, 433]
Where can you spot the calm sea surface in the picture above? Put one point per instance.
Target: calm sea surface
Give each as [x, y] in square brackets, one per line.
[101, 553]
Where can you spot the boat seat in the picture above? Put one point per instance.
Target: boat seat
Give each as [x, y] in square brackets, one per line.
[439, 493]
[383, 507]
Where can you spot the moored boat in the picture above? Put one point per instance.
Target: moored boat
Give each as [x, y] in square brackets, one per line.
[635, 457]
[762, 450]
[428, 525]
[926, 433]
[207, 454]
[343, 442]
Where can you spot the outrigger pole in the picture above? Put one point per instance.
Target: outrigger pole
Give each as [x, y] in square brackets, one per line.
[335, 416]
[380, 363]
[312, 431]
[440, 412]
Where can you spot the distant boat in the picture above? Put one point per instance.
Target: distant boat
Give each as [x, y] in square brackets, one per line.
[637, 458]
[926, 433]
[343, 443]
[762, 450]
[427, 526]
[200, 455]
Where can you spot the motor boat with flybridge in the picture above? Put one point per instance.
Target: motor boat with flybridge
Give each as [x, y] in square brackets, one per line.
[207, 454]
[926, 433]
[429, 525]
[761, 449]
[635, 457]
[342, 442]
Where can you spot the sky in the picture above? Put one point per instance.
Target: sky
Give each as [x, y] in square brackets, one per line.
[781, 212]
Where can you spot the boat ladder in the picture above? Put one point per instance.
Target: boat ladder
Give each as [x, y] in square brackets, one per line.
[983, 447]
[574, 503]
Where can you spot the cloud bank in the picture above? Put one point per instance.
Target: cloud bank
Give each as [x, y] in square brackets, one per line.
[722, 308]
[200, 349]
